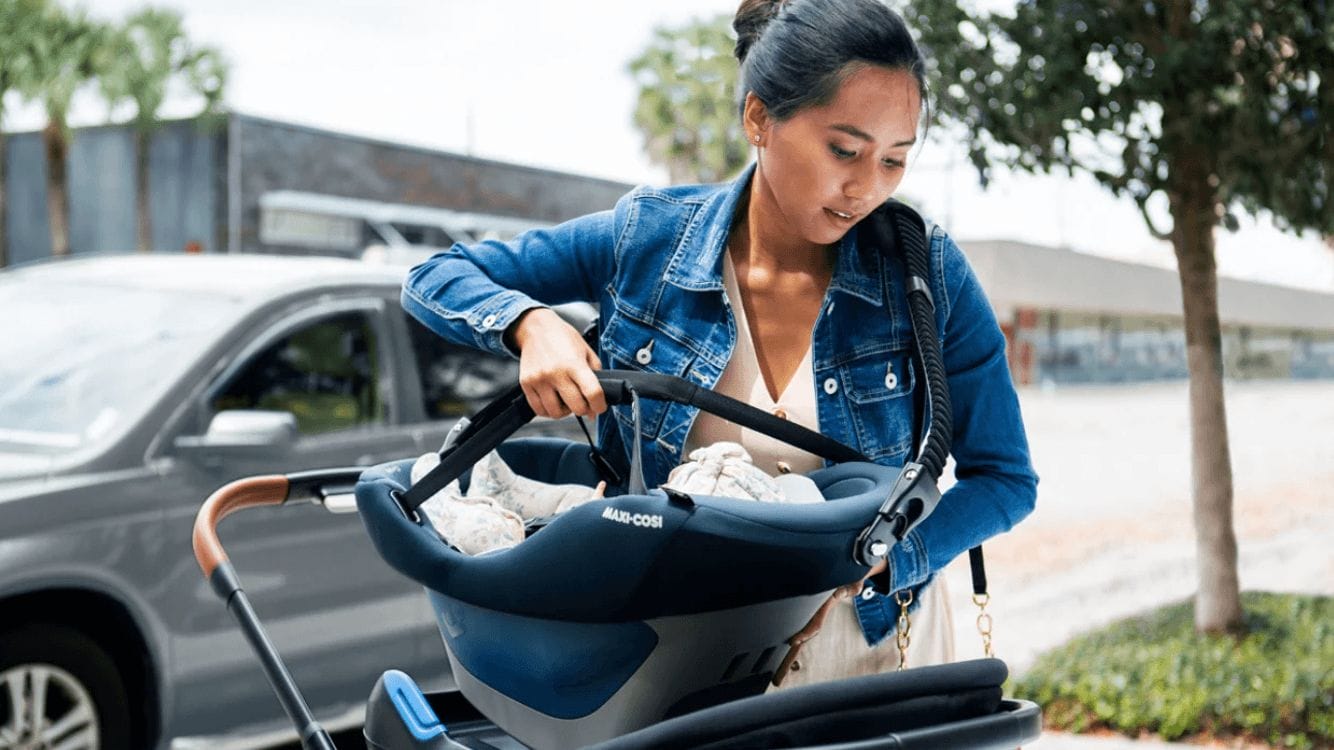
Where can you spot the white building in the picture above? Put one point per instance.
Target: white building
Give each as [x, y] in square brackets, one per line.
[1071, 317]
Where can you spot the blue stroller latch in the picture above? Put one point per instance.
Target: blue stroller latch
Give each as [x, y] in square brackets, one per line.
[398, 716]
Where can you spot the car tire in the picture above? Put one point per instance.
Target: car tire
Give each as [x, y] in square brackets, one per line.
[82, 687]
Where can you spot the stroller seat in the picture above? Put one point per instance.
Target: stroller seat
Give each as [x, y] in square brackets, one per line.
[628, 610]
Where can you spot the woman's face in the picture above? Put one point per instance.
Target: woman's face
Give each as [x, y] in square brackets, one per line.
[825, 168]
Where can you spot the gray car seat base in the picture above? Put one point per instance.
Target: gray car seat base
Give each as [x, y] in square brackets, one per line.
[733, 652]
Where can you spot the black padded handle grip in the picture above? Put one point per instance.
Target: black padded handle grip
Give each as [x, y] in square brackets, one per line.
[505, 415]
[617, 385]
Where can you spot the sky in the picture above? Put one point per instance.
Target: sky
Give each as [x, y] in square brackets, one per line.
[545, 84]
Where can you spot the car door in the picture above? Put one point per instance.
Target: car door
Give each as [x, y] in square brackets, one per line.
[336, 612]
[446, 382]
[449, 382]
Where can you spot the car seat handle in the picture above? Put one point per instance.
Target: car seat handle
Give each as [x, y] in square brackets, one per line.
[618, 385]
[501, 418]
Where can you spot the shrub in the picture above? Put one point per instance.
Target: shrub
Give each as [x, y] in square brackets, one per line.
[1153, 673]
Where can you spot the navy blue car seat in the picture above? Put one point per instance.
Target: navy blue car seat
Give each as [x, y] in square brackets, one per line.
[625, 611]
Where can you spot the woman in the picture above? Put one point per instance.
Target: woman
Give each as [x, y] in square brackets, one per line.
[772, 289]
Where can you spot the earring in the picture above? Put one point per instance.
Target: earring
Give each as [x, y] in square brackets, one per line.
[756, 139]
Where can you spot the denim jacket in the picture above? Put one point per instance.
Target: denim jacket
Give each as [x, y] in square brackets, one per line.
[654, 265]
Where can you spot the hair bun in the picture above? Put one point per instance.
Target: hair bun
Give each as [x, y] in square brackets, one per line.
[751, 19]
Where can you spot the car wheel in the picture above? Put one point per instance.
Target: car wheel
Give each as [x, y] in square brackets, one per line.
[58, 688]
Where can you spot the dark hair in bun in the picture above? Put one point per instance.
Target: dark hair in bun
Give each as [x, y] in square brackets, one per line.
[795, 53]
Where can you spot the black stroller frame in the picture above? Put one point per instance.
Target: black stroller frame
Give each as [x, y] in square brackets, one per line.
[664, 699]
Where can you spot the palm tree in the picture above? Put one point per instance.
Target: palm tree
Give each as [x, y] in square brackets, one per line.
[686, 108]
[139, 63]
[18, 30]
[63, 60]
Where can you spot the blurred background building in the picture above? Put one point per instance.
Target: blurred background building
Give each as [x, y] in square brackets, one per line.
[244, 184]
[1076, 318]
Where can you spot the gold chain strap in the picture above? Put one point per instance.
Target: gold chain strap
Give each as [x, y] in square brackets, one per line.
[984, 622]
[904, 636]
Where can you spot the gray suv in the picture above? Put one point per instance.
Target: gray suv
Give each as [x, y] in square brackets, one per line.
[131, 387]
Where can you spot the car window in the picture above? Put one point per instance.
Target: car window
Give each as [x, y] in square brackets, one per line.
[457, 381]
[82, 359]
[325, 374]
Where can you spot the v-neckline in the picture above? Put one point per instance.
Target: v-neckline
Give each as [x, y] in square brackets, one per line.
[733, 290]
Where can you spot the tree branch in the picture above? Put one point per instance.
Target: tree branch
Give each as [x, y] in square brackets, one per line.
[1143, 203]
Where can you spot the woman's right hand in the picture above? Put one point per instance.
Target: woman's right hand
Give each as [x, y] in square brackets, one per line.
[556, 366]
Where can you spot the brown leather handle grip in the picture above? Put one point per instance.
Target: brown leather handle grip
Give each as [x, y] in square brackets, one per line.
[243, 493]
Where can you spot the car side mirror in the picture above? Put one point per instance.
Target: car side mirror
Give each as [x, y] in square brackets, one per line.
[242, 432]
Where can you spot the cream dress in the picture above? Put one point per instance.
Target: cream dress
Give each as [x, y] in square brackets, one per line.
[839, 650]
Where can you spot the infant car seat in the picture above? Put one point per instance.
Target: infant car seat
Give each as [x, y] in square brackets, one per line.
[642, 606]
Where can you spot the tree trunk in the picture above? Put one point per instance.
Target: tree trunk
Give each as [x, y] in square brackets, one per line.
[1218, 603]
[4, 223]
[141, 141]
[57, 191]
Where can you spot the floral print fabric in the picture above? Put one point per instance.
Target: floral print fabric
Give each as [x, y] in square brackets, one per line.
[491, 514]
[725, 469]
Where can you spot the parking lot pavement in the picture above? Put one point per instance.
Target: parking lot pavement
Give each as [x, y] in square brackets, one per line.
[1112, 534]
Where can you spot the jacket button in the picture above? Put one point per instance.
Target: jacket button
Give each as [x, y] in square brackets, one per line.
[868, 593]
[830, 386]
[644, 356]
[891, 379]
[488, 321]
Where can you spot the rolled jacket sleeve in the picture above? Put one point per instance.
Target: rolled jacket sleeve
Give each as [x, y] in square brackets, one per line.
[996, 486]
[471, 293]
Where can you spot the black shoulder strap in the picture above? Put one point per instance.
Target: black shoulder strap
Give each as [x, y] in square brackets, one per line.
[975, 560]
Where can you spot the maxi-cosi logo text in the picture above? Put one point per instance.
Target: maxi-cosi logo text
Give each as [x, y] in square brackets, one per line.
[647, 520]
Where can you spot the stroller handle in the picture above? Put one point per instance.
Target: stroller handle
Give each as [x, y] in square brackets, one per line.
[243, 493]
[254, 492]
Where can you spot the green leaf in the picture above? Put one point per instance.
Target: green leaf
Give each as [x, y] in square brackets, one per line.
[1233, 94]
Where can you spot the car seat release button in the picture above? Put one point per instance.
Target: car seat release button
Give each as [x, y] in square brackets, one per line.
[412, 707]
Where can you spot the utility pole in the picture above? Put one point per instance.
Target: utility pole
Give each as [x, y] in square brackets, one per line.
[470, 130]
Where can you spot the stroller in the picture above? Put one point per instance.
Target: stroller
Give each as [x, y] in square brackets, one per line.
[610, 627]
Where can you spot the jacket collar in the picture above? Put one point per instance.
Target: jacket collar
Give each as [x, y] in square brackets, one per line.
[697, 265]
